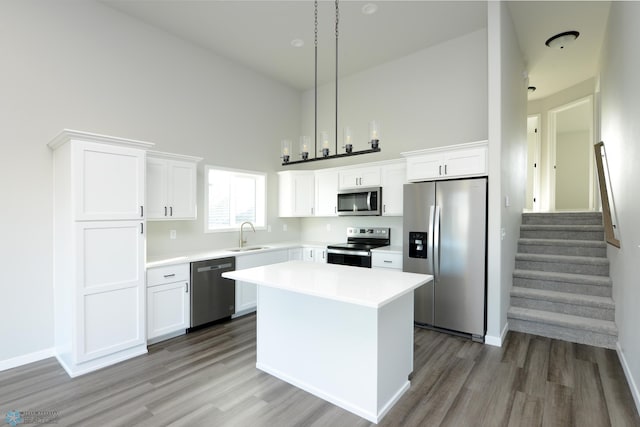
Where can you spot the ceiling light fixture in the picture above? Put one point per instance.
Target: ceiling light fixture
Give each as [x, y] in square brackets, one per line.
[559, 41]
[369, 9]
[305, 141]
[531, 89]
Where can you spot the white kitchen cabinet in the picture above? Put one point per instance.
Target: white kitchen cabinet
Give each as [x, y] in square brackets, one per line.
[295, 254]
[296, 193]
[326, 192]
[456, 161]
[99, 241]
[246, 294]
[386, 260]
[171, 186]
[168, 304]
[359, 177]
[314, 254]
[394, 176]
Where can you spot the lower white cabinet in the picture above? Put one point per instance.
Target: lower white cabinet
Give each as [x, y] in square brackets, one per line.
[168, 304]
[246, 294]
[386, 260]
[314, 254]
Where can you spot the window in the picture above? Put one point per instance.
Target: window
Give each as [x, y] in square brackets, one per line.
[233, 197]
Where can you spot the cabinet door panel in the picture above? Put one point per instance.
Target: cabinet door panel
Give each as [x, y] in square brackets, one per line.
[303, 190]
[109, 322]
[466, 162]
[182, 190]
[167, 309]
[393, 180]
[428, 166]
[109, 182]
[326, 193]
[157, 202]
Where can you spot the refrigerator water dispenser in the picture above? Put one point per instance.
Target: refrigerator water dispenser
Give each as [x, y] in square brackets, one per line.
[417, 244]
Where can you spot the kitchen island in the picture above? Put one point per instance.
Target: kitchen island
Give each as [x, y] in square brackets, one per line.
[344, 334]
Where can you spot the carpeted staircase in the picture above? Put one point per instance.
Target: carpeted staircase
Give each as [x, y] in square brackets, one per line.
[561, 285]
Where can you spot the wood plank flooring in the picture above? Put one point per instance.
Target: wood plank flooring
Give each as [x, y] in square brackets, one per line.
[208, 378]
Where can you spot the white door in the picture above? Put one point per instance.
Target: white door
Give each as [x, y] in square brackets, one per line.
[303, 195]
[167, 308]
[393, 180]
[157, 204]
[182, 190]
[326, 193]
[109, 181]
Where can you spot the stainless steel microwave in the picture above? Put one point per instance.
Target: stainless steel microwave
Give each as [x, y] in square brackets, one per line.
[361, 201]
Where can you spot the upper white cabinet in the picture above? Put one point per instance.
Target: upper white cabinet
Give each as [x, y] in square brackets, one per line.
[455, 161]
[99, 240]
[171, 186]
[326, 192]
[296, 193]
[359, 177]
[394, 176]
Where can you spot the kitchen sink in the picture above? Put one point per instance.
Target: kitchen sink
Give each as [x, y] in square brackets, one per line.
[249, 248]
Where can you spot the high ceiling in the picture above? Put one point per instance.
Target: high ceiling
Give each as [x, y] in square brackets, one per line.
[258, 34]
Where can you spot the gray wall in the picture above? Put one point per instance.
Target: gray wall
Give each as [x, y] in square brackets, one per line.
[82, 65]
[620, 109]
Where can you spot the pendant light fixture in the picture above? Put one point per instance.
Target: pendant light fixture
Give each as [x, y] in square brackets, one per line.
[374, 127]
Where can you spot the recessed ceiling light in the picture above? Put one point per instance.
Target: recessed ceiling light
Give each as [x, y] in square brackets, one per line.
[297, 42]
[369, 9]
[559, 41]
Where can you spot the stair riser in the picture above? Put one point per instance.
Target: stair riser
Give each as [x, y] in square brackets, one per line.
[562, 234]
[562, 220]
[562, 250]
[560, 307]
[567, 334]
[574, 288]
[558, 267]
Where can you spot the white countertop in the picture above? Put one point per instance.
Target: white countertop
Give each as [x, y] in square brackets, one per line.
[389, 250]
[355, 285]
[185, 257]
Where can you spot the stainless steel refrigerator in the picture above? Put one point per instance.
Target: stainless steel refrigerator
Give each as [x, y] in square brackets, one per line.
[445, 234]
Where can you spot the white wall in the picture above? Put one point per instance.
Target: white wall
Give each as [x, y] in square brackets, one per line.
[507, 163]
[620, 109]
[82, 65]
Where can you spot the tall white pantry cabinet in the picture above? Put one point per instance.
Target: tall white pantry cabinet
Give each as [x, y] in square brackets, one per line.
[99, 250]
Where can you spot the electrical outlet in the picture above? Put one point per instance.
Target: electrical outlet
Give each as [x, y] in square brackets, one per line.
[268, 229]
[284, 227]
[172, 234]
[328, 227]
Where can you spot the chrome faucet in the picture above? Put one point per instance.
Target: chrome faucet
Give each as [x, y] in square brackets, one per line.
[242, 241]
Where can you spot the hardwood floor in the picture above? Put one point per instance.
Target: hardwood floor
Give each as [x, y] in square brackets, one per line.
[208, 378]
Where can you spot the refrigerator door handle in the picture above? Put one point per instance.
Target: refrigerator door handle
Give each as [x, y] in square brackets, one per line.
[436, 243]
[430, 239]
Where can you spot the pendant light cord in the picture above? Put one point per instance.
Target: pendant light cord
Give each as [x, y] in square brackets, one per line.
[337, 21]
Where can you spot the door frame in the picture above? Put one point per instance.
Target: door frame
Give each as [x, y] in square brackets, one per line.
[536, 206]
[551, 153]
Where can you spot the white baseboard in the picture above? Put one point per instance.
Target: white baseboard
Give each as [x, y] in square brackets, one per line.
[627, 373]
[25, 359]
[497, 341]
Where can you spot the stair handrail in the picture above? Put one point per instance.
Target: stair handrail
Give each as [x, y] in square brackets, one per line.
[604, 184]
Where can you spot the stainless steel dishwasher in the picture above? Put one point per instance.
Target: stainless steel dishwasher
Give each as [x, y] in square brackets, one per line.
[212, 296]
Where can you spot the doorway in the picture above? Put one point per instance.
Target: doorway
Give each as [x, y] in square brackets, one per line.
[571, 175]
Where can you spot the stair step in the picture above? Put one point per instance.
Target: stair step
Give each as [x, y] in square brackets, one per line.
[563, 282]
[590, 248]
[601, 333]
[563, 264]
[564, 232]
[584, 218]
[596, 307]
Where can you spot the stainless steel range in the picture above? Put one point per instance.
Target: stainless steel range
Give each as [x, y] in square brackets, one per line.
[357, 250]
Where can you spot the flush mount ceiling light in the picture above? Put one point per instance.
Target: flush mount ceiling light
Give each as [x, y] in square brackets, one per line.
[559, 41]
[531, 89]
[305, 141]
[297, 42]
[369, 9]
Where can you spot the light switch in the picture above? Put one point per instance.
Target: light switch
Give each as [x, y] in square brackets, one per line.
[284, 227]
[172, 234]
[507, 202]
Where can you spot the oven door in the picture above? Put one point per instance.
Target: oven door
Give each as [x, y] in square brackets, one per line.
[346, 257]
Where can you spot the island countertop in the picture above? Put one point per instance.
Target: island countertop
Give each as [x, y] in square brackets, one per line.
[355, 285]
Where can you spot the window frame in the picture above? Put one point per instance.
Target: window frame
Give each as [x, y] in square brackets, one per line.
[234, 228]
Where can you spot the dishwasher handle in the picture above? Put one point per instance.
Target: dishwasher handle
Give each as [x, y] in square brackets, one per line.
[214, 267]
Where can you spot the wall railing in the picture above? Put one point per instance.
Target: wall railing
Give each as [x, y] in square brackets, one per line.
[605, 195]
